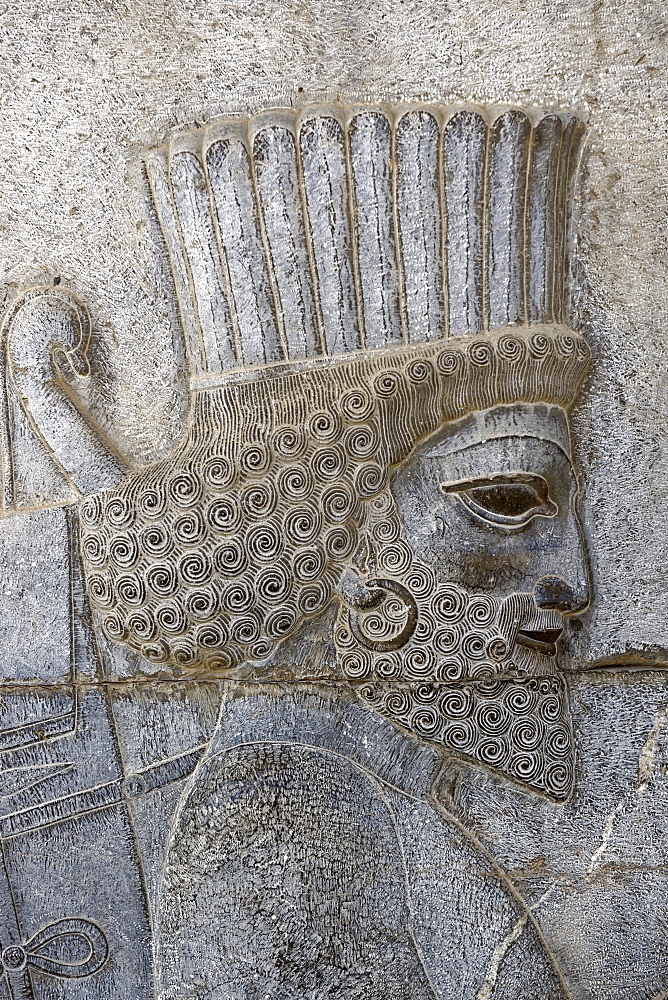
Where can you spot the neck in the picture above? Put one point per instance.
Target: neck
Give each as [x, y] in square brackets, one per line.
[308, 655]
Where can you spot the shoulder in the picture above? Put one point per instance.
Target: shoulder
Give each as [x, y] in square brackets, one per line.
[285, 867]
[277, 795]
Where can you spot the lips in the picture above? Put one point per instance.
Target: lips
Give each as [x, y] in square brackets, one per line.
[539, 640]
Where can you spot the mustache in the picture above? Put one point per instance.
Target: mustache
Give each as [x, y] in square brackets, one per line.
[543, 641]
[538, 630]
[444, 634]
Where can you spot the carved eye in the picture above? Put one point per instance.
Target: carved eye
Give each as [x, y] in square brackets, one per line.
[511, 501]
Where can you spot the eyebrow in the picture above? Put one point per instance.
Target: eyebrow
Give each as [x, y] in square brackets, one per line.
[498, 437]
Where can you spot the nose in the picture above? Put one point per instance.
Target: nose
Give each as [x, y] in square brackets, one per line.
[554, 592]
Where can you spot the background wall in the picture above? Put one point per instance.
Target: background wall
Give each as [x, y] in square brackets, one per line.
[86, 87]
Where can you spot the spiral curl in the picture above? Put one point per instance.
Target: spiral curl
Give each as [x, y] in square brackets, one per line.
[254, 459]
[424, 721]
[202, 604]
[195, 568]
[230, 558]
[280, 622]
[190, 528]
[480, 353]
[511, 349]
[274, 584]
[259, 499]
[356, 664]
[361, 442]
[387, 384]
[288, 442]
[162, 579]
[492, 718]
[295, 483]
[155, 540]
[91, 511]
[457, 703]
[449, 604]
[94, 549]
[131, 590]
[450, 362]
[419, 662]
[324, 426]
[302, 524]
[459, 736]
[218, 472]
[341, 542]
[491, 751]
[539, 346]
[119, 512]
[185, 489]
[171, 619]
[123, 551]
[369, 480]
[223, 514]
[328, 463]
[396, 558]
[152, 501]
[481, 611]
[357, 405]
[245, 629]
[238, 597]
[264, 541]
[99, 588]
[308, 564]
[387, 667]
[313, 598]
[303, 496]
[142, 625]
[338, 503]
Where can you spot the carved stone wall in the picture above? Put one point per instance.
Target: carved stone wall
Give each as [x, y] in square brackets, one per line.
[333, 642]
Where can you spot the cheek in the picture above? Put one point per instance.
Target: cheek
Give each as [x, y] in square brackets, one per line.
[478, 557]
[418, 504]
[478, 569]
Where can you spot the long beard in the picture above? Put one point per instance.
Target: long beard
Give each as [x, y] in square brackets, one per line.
[461, 682]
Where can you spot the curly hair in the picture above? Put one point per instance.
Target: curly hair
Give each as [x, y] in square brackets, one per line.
[212, 556]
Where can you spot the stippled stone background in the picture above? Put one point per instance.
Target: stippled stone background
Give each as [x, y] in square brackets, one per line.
[86, 88]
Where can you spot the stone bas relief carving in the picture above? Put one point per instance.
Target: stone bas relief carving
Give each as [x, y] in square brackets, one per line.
[269, 648]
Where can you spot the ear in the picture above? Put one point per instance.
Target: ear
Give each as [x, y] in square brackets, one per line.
[357, 593]
[364, 596]
[46, 333]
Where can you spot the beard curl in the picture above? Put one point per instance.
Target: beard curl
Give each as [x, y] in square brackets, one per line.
[458, 681]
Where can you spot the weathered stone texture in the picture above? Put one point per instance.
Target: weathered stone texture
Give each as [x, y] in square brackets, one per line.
[320, 428]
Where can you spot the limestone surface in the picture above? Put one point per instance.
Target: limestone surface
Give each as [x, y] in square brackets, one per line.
[334, 512]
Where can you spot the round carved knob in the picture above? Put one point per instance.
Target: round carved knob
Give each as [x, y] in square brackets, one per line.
[13, 958]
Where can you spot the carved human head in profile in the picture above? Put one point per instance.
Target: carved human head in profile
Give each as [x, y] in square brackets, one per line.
[376, 310]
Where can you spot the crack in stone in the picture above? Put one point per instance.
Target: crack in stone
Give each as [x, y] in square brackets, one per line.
[647, 756]
[498, 955]
[646, 766]
[605, 839]
[487, 989]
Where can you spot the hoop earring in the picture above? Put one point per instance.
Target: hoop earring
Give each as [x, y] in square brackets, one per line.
[402, 637]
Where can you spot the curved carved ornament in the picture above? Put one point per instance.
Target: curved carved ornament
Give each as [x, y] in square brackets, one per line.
[374, 500]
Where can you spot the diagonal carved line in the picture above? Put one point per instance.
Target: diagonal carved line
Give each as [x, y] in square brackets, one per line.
[111, 793]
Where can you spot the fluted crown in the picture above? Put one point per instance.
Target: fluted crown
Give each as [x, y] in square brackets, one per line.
[321, 233]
